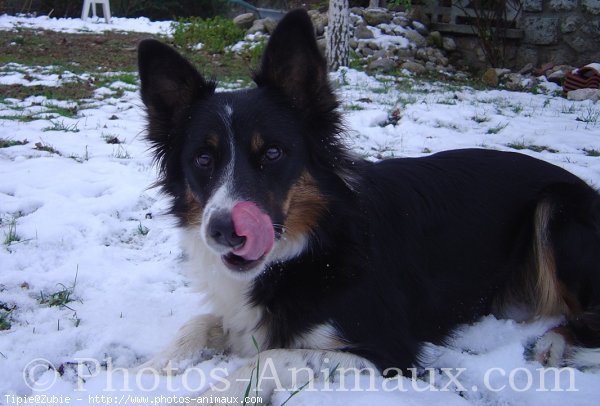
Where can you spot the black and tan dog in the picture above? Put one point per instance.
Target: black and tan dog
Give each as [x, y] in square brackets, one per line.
[315, 252]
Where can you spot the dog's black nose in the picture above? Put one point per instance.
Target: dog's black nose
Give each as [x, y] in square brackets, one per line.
[221, 230]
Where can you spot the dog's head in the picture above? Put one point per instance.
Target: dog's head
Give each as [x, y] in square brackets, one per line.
[245, 168]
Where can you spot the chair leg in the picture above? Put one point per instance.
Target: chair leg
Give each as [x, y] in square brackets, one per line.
[106, 10]
[86, 9]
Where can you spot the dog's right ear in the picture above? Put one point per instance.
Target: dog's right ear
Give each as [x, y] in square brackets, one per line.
[169, 82]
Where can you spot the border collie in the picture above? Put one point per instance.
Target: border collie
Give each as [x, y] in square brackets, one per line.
[307, 251]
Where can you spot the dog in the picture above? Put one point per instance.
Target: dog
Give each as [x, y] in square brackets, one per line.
[306, 251]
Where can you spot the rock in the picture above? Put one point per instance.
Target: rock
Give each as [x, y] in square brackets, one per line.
[319, 22]
[270, 25]
[376, 16]
[362, 32]
[490, 77]
[532, 5]
[591, 6]
[413, 66]
[366, 51]
[245, 21]
[415, 37]
[501, 72]
[584, 94]
[556, 77]
[514, 81]
[353, 43]
[528, 68]
[435, 39]
[383, 65]
[322, 45]
[562, 5]
[448, 44]
[401, 21]
[420, 27]
[373, 45]
[540, 30]
[257, 26]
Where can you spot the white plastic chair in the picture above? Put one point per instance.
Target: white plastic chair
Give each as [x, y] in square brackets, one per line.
[91, 4]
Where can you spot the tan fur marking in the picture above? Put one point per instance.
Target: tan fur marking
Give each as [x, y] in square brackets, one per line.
[256, 143]
[549, 299]
[304, 206]
[194, 212]
[212, 141]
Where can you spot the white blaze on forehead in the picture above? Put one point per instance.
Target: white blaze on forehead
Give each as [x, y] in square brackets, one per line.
[224, 197]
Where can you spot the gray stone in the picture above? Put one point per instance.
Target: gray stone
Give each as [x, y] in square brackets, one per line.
[528, 68]
[362, 32]
[490, 77]
[376, 16]
[580, 42]
[415, 37]
[420, 27]
[527, 55]
[319, 22]
[514, 81]
[383, 65]
[257, 26]
[245, 21]
[353, 43]
[366, 51]
[584, 94]
[413, 66]
[435, 39]
[591, 6]
[401, 21]
[448, 44]
[532, 5]
[541, 30]
[373, 45]
[270, 25]
[556, 76]
[562, 5]
[404, 52]
[570, 24]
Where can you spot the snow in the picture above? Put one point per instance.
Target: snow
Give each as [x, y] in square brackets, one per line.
[89, 222]
[91, 25]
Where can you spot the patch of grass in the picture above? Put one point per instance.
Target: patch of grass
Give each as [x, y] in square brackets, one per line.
[68, 112]
[591, 152]
[5, 316]
[60, 125]
[532, 147]
[214, 33]
[22, 118]
[68, 91]
[568, 110]
[81, 158]
[480, 119]
[590, 116]
[517, 108]
[111, 139]
[121, 153]
[11, 236]
[497, 128]
[129, 78]
[142, 229]
[61, 297]
[354, 107]
[42, 146]
[7, 143]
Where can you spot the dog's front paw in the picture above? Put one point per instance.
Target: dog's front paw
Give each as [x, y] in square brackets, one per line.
[197, 340]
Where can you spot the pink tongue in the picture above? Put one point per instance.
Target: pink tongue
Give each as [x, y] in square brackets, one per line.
[250, 222]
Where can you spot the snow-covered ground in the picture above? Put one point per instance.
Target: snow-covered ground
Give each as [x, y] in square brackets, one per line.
[91, 281]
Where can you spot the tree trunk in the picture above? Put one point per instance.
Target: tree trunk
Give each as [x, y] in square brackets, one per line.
[373, 3]
[338, 34]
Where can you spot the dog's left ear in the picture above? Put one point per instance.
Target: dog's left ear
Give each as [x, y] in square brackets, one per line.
[293, 65]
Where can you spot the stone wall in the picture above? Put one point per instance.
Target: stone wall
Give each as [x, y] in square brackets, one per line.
[559, 31]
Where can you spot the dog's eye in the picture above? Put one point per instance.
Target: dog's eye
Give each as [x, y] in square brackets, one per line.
[273, 154]
[204, 160]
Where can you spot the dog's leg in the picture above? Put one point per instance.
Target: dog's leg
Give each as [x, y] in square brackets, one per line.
[286, 370]
[194, 342]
